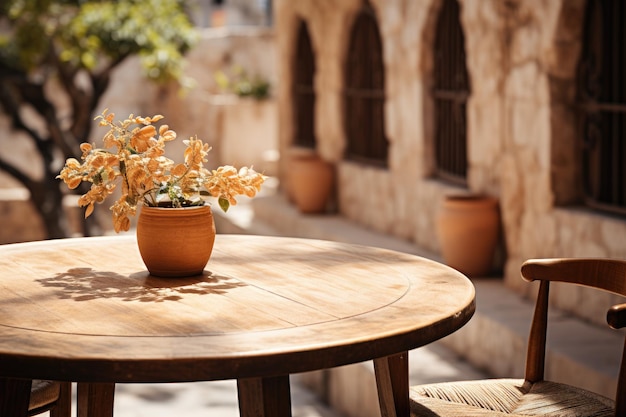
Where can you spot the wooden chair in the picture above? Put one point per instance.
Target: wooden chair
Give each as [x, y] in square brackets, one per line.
[533, 396]
[52, 396]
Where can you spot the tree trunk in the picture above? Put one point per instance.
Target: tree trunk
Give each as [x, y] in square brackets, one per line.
[48, 200]
[47, 197]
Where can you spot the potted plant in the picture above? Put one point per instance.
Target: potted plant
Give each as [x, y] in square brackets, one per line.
[243, 85]
[175, 229]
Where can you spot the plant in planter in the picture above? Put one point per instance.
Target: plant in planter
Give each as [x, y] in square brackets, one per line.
[241, 84]
[133, 159]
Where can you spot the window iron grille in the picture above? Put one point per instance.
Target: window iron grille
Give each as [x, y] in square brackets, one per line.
[602, 102]
[450, 94]
[364, 96]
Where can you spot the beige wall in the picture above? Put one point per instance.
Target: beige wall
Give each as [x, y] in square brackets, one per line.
[522, 59]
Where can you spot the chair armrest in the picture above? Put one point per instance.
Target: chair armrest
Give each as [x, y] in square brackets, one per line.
[616, 316]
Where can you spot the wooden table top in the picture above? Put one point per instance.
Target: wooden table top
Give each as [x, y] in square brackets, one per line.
[87, 310]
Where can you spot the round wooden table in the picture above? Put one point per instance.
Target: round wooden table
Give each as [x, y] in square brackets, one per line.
[86, 310]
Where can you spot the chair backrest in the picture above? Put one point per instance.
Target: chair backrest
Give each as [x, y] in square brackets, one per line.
[603, 274]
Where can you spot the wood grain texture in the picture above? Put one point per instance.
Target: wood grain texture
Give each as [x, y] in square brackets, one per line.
[87, 310]
[392, 381]
[14, 397]
[95, 400]
[264, 397]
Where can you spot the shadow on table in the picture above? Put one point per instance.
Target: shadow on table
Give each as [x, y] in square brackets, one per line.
[82, 284]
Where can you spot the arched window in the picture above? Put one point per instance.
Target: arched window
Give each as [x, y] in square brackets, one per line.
[364, 95]
[450, 94]
[602, 99]
[303, 91]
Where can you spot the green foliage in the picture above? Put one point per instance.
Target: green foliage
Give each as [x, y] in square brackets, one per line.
[93, 34]
[75, 46]
[242, 84]
[224, 203]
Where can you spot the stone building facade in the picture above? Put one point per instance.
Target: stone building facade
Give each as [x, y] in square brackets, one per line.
[522, 58]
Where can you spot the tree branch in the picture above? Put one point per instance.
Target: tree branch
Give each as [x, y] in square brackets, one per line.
[16, 173]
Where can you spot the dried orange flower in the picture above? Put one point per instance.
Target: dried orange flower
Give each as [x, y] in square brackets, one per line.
[133, 158]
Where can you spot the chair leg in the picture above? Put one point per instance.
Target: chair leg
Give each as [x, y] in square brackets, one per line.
[620, 402]
[63, 407]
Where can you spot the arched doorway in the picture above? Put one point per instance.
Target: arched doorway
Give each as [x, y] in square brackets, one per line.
[303, 90]
[450, 94]
[364, 95]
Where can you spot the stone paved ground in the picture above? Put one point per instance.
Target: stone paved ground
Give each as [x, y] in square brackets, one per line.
[206, 399]
[219, 398]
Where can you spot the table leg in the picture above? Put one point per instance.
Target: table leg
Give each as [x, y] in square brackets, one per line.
[95, 399]
[392, 380]
[14, 397]
[264, 397]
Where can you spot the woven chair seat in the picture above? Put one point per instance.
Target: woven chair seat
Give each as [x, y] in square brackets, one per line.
[520, 397]
[43, 393]
[507, 397]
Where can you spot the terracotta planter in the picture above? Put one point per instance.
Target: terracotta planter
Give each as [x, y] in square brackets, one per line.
[175, 242]
[310, 182]
[468, 228]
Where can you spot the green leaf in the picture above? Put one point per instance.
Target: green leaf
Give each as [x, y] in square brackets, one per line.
[224, 204]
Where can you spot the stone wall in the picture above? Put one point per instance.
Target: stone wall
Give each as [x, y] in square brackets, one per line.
[522, 58]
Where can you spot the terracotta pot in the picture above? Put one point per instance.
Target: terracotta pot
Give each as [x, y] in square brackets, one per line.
[310, 182]
[175, 242]
[468, 227]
